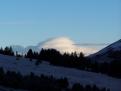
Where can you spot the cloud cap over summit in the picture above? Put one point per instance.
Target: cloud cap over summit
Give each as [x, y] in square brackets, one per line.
[65, 44]
[62, 44]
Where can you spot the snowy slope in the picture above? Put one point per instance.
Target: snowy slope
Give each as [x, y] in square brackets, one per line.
[74, 75]
[10, 89]
[102, 55]
[114, 46]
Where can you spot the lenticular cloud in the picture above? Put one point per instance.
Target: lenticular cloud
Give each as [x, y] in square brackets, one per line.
[64, 44]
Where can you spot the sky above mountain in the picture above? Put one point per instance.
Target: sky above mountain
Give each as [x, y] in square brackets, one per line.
[27, 22]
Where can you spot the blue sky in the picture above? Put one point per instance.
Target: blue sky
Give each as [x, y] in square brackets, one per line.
[27, 22]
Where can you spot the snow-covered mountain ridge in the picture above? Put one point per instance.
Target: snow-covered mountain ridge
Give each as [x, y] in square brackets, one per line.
[116, 46]
[62, 44]
[103, 55]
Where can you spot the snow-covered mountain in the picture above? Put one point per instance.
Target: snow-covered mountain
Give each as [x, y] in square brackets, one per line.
[62, 44]
[24, 66]
[104, 54]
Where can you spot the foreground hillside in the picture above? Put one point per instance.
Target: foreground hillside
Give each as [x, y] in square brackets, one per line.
[74, 76]
[9, 89]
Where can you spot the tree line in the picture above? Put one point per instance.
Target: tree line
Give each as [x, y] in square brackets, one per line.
[79, 61]
[7, 51]
[32, 82]
[73, 60]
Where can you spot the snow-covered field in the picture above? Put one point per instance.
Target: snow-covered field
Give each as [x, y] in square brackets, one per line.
[74, 76]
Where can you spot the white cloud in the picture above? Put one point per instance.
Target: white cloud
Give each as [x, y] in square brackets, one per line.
[64, 44]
